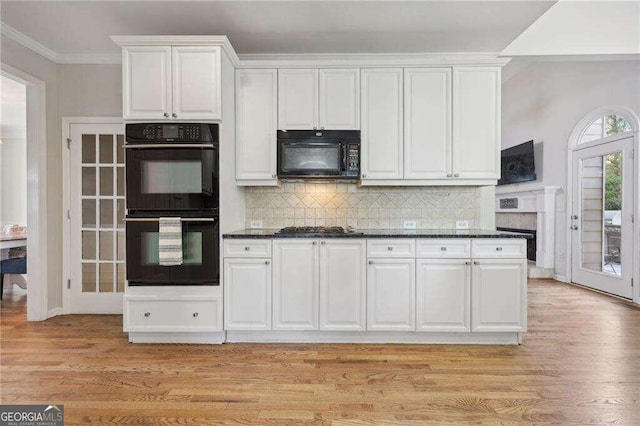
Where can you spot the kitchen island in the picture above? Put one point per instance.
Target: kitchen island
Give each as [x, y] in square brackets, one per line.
[382, 286]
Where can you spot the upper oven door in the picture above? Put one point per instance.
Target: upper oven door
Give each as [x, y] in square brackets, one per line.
[321, 159]
[171, 177]
[200, 253]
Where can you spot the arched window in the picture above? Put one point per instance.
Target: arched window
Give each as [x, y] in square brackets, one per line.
[605, 126]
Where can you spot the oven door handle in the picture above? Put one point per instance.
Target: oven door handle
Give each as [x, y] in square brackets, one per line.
[168, 145]
[156, 219]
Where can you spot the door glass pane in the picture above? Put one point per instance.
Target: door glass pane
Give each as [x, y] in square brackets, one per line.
[106, 148]
[88, 148]
[120, 180]
[106, 245]
[120, 213]
[120, 277]
[106, 277]
[311, 158]
[171, 177]
[106, 213]
[121, 245]
[120, 149]
[88, 213]
[88, 277]
[88, 245]
[601, 208]
[106, 181]
[88, 181]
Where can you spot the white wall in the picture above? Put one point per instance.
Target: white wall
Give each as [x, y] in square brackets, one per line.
[544, 101]
[13, 153]
[71, 90]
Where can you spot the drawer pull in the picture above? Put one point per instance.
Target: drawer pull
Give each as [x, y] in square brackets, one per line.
[323, 242]
[443, 249]
[475, 262]
[390, 248]
[498, 248]
[247, 248]
[147, 314]
[266, 262]
[195, 315]
[371, 262]
[315, 243]
[467, 263]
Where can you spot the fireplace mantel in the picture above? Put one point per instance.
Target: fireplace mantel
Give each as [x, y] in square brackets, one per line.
[542, 201]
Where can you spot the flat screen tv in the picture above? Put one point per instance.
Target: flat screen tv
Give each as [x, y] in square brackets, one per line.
[517, 164]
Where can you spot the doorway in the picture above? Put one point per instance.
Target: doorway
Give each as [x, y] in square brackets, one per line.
[601, 221]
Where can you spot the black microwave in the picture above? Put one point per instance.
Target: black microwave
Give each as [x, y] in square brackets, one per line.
[172, 167]
[319, 154]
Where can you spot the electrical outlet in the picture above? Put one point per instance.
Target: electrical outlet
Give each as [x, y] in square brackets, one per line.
[256, 224]
[462, 224]
[409, 224]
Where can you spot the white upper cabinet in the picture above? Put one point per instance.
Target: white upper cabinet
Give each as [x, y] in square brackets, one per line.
[146, 77]
[164, 82]
[297, 99]
[343, 284]
[196, 82]
[339, 99]
[476, 122]
[427, 123]
[382, 124]
[256, 125]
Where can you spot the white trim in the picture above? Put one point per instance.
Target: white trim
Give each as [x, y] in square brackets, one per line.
[37, 260]
[66, 242]
[54, 312]
[210, 338]
[89, 58]
[28, 42]
[574, 145]
[561, 278]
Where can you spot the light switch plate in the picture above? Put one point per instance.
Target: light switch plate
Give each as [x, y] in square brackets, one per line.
[256, 224]
[409, 224]
[462, 224]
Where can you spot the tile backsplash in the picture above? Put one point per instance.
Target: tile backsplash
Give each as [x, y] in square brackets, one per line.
[341, 204]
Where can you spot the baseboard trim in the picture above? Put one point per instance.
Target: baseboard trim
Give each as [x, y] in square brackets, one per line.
[561, 278]
[54, 312]
[213, 338]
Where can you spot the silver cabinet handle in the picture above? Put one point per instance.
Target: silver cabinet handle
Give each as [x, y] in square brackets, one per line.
[323, 242]
[166, 115]
[364, 176]
[467, 263]
[390, 248]
[475, 262]
[371, 262]
[498, 248]
[574, 227]
[174, 115]
[247, 248]
[274, 175]
[449, 175]
[147, 314]
[266, 262]
[315, 243]
[195, 315]
[443, 249]
[456, 175]
[574, 216]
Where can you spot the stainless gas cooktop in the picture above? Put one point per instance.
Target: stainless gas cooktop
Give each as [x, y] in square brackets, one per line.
[313, 230]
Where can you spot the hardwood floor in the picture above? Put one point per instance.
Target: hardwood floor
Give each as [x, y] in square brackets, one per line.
[579, 364]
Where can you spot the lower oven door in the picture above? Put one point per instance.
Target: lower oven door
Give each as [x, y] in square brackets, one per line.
[200, 252]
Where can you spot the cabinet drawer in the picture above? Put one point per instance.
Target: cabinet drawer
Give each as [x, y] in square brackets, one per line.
[443, 249]
[164, 315]
[391, 248]
[499, 249]
[247, 248]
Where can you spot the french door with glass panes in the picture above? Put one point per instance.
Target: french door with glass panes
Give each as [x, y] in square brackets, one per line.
[97, 209]
[601, 220]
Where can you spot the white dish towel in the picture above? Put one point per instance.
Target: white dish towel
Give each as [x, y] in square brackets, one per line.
[170, 241]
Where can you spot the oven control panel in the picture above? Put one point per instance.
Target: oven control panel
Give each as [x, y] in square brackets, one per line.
[164, 132]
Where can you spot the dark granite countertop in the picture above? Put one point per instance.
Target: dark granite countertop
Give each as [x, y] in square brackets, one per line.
[381, 233]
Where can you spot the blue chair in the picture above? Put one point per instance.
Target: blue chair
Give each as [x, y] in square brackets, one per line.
[15, 265]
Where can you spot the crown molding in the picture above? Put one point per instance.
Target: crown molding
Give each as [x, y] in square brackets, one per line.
[194, 40]
[15, 35]
[345, 60]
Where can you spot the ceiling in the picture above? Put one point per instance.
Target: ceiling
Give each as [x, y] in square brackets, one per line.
[286, 27]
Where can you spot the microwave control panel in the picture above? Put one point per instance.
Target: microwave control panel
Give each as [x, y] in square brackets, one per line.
[353, 161]
[178, 132]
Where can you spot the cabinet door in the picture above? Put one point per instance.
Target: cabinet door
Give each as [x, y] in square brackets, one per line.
[499, 295]
[342, 285]
[443, 293]
[295, 284]
[382, 129]
[391, 285]
[196, 83]
[427, 123]
[340, 99]
[297, 99]
[476, 123]
[146, 78]
[256, 124]
[247, 294]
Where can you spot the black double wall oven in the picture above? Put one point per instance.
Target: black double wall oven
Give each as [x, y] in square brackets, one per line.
[172, 171]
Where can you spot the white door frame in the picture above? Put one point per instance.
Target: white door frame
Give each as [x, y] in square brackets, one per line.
[67, 122]
[574, 141]
[37, 260]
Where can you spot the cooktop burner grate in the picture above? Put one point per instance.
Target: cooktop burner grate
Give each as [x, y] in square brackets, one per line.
[312, 230]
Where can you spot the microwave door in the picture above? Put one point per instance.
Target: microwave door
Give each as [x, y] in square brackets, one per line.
[304, 159]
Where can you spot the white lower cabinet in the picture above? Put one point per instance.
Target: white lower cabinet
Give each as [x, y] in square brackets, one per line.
[295, 284]
[247, 301]
[169, 314]
[499, 295]
[443, 294]
[391, 294]
[342, 285]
